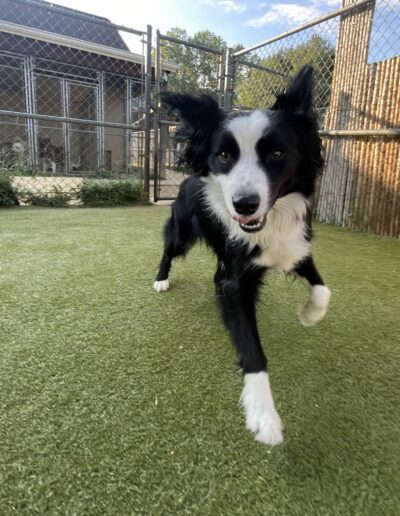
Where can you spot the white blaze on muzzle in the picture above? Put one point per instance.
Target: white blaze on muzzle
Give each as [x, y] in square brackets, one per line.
[247, 177]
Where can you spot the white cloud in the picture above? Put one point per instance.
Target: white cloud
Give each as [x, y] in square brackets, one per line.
[326, 3]
[232, 6]
[292, 14]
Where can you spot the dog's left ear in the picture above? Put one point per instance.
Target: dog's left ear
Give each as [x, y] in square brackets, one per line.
[298, 98]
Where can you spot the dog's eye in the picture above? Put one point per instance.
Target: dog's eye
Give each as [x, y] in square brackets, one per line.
[277, 154]
[225, 157]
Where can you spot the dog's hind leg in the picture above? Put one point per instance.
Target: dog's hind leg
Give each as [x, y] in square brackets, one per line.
[238, 299]
[319, 294]
[178, 239]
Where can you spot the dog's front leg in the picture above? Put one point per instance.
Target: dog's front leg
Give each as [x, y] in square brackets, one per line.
[237, 297]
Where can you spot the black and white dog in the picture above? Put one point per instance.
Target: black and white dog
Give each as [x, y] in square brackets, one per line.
[250, 200]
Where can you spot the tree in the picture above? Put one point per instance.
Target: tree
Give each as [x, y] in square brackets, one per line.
[198, 69]
[256, 88]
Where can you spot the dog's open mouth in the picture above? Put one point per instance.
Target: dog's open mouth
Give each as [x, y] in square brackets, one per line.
[254, 225]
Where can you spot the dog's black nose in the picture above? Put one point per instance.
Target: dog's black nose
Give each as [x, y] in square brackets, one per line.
[246, 205]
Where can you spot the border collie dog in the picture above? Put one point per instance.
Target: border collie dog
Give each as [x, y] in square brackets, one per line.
[249, 199]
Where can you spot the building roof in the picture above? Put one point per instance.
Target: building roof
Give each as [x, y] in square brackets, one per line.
[66, 22]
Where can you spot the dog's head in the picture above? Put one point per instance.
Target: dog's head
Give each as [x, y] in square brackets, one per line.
[256, 157]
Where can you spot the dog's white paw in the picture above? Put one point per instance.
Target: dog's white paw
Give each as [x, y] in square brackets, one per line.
[316, 307]
[261, 416]
[161, 286]
[267, 427]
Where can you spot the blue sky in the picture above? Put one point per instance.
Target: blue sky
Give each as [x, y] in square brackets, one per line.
[237, 21]
[240, 21]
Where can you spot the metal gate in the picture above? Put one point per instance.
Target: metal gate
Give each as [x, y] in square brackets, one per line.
[201, 70]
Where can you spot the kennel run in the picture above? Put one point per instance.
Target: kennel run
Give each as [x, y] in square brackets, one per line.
[73, 96]
[78, 99]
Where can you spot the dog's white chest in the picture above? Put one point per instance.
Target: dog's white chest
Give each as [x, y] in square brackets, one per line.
[283, 240]
[284, 253]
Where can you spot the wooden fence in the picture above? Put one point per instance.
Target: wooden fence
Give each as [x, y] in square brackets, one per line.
[361, 183]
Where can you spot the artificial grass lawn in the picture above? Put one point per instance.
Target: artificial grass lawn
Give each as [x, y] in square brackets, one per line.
[116, 400]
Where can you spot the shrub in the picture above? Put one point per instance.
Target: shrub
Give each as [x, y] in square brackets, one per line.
[111, 192]
[52, 201]
[7, 195]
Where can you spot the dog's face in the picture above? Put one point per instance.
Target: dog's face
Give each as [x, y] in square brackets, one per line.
[252, 157]
[256, 157]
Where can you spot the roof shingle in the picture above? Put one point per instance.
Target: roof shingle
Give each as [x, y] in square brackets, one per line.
[84, 28]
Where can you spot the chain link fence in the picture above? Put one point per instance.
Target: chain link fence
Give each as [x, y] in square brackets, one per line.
[72, 100]
[76, 103]
[260, 74]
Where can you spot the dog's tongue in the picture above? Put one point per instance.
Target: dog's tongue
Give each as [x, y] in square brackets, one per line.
[242, 220]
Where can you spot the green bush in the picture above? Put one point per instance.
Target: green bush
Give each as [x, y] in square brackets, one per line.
[7, 195]
[52, 201]
[110, 192]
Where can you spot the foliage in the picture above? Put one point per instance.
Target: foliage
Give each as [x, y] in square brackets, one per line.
[55, 199]
[7, 195]
[257, 88]
[254, 87]
[110, 192]
[198, 69]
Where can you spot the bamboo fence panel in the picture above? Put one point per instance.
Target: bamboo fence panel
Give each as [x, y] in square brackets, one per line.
[360, 184]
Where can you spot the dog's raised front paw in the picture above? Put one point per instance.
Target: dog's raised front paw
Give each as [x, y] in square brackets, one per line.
[161, 286]
[316, 307]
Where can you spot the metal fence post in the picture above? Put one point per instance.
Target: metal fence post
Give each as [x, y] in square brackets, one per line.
[221, 78]
[147, 96]
[128, 120]
[30, 103]
[157, 75]
[228, 80]
[66, 128]
[100, 136]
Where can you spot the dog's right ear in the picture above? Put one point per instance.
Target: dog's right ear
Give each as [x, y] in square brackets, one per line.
[199, 112]
[201, 116]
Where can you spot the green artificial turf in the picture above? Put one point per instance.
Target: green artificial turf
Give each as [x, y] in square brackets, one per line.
[117, 400]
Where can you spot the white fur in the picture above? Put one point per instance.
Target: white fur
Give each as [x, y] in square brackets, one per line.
[246, 177]
[261, 416]
[161, 286]
[316, 306]
[282, 240]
